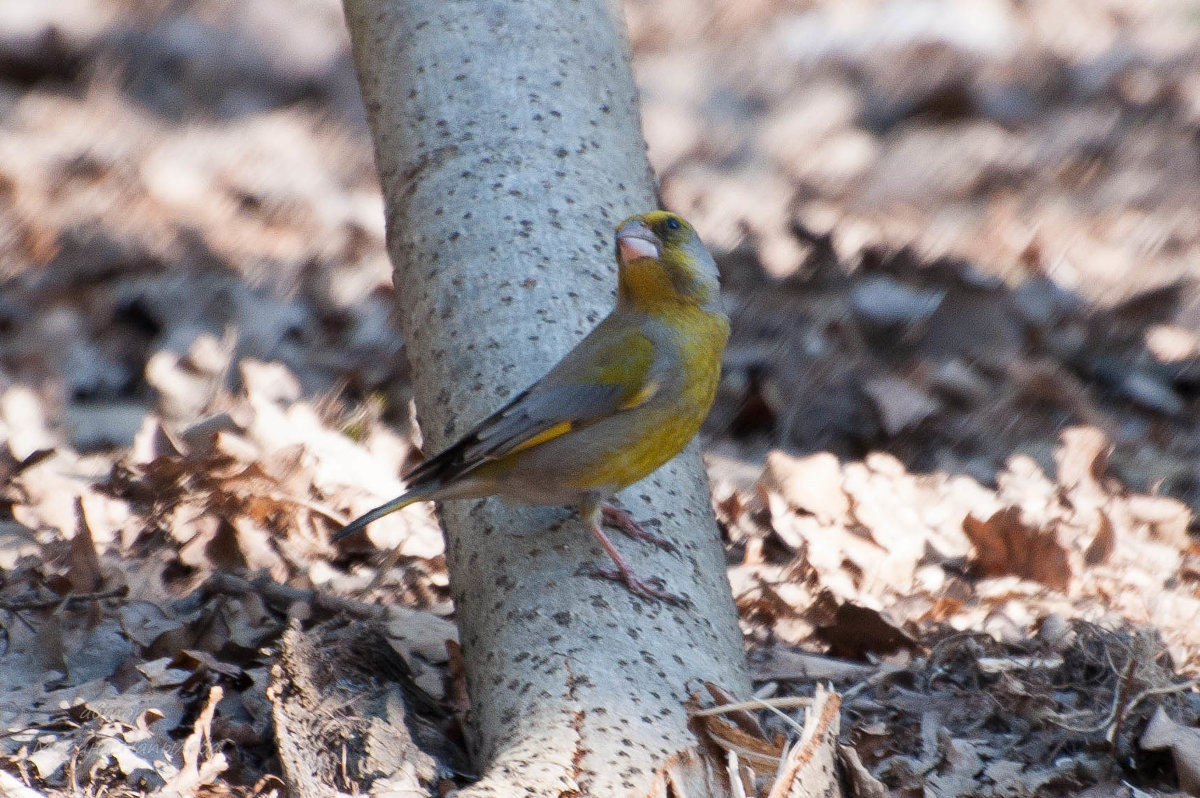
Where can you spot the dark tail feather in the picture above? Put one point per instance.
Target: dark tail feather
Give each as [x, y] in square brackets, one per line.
[425, 479]
[360, 523]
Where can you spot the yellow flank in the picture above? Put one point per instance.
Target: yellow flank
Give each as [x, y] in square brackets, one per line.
[542, 437]
[641, 397]
[668, 427]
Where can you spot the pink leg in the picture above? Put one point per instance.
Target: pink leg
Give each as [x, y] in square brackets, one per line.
[618, 519]
[623, 573]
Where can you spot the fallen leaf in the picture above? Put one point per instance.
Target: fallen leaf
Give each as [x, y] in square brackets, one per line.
[107, 750]
[857, 631]
[810, 484]
[862, 783]
[1005, 545]
[1081, 457]
[1169, 519]
[49, 759]
[1163, 733]
[1103, 543]
[901, 404]
[201, 765]
[84, 569]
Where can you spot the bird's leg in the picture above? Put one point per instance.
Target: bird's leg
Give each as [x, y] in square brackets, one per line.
[623, 573]
[621, 520]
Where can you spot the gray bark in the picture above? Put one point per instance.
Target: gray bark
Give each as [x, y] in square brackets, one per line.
[509, 146]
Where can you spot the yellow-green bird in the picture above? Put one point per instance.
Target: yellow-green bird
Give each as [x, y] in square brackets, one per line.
[624, 401]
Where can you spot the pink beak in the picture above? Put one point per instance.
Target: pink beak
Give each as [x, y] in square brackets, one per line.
[634, 241]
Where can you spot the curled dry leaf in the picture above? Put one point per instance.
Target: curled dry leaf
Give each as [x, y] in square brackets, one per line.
[84, 571]
[737, 731]
[900, 404]
[1006, 545]
[1082, 457]
[862, 783]
[810, 484]
[856, 631]
[201, 765]
[1103, 543]
[1183, 742]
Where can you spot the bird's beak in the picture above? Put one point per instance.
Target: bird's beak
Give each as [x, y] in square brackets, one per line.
[634, 240]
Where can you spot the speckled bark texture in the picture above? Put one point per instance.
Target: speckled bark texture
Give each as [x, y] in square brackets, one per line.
[508, 141]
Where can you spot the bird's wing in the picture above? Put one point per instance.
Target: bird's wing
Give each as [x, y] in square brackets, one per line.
[610, 371]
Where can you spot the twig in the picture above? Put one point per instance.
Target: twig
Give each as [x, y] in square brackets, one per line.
[1167, 690]
[278, 594]
[885, 670]
[1122, 705]
[70, 598]
[758, 703]
[316, 507]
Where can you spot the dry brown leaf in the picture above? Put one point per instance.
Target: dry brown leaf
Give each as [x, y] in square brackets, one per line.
[736, 731]
[1168, 519]
[1103, 543]
[187, 385]
[900, 404]
[201, 765]
[23, 422]
[49, 758]
[862, 783]
[810, 484]
[1006, 545]
[961, 763]
[751, 748]
[257, 546]
[11, 786]
[268, 382]
[143, 622]
[153, 442]
[84, 569]
[108, 750]
[856, 631]
[43, 494]
[1163, 733]
[1082, 457]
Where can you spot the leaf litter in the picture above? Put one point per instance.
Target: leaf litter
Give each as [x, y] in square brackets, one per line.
[955, 454]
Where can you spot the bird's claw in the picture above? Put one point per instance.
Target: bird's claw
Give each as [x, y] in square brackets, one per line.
[651, 589]
[622, 521]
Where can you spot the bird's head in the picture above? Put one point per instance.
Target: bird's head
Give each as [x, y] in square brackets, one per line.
[663, 262]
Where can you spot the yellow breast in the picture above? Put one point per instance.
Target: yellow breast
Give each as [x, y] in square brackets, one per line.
[646, 437]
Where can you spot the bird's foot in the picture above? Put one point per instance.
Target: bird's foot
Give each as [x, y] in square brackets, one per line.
[651, 589]
[622, 521]
[645, 588]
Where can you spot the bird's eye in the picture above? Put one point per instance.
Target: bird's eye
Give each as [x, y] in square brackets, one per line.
[672, 223]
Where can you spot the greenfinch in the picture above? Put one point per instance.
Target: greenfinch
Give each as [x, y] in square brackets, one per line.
[620, 404]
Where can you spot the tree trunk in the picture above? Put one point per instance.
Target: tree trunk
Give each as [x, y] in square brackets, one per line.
[508, 141]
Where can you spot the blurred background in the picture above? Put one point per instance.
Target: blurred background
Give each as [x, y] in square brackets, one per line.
[960, 243]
